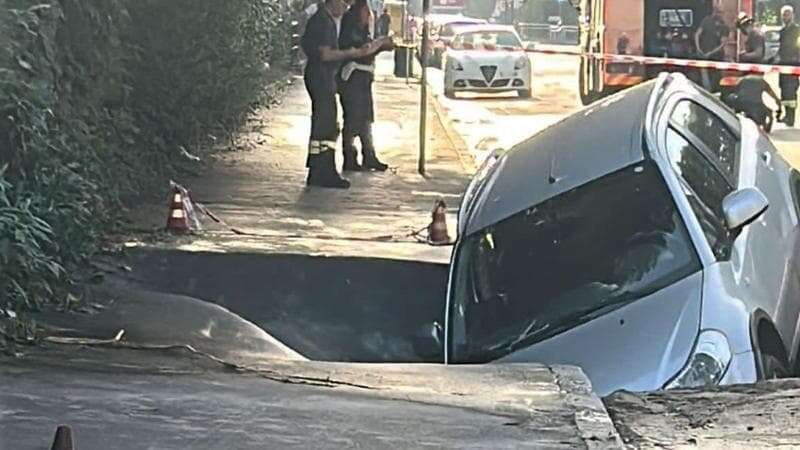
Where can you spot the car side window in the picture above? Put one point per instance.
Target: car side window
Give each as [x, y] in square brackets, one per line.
[705, 187]
[711, 132]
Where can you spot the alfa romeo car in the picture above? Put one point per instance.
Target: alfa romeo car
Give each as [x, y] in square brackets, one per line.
[651, 239]
[487, 58]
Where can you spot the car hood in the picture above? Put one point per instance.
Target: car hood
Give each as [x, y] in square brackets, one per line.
[496, 57]
[587, 145]
[639, 347]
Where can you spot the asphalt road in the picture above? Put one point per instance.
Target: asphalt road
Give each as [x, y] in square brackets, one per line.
[490, 121]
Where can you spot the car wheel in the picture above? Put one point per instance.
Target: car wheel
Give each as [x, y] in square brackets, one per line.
[773, 367]
[525, 93]
[449, 93]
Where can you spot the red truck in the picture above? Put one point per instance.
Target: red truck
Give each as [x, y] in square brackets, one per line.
[638, 27]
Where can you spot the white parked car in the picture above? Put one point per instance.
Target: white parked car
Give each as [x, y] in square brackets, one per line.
[487, 58]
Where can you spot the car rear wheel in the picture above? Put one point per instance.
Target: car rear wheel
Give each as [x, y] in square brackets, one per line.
[525, 93]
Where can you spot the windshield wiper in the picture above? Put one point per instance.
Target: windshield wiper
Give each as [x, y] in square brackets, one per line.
[579, 317]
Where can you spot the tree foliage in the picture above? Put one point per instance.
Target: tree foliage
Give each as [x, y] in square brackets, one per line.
[97, 99]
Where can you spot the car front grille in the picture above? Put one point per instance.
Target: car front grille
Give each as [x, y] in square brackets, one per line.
[489, 72]
[477, 83]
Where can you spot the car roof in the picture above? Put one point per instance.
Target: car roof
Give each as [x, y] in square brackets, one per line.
[587, 145]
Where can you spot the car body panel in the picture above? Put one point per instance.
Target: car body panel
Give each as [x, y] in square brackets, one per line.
[656, 332]
[760, 280]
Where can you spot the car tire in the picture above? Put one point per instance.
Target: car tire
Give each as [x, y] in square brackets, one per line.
[773, 367]
[449, 93]
[525, 93]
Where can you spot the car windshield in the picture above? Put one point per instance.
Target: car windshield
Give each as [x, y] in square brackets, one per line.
[487, 40]
[568, 260]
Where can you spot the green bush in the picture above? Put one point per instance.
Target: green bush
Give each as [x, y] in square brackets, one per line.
[97, 99]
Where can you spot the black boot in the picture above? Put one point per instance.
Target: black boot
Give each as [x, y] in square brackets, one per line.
[371, 161]
[788, 118]
[350, 155]
[323, 172]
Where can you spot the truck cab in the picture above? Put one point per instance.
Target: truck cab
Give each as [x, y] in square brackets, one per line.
[656, 28]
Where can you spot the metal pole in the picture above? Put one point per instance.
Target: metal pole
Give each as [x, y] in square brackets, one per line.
[409, 58]
[423, 105]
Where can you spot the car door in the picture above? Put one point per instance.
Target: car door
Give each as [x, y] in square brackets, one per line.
[775, 238]
[762, 254]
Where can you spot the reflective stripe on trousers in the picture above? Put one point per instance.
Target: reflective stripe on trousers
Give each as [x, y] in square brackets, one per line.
[319, 147]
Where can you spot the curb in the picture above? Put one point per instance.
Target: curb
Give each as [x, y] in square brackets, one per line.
[456, 141]
[595, 426]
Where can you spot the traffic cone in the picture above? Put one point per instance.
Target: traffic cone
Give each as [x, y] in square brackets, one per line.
[437, 230]
[63, 439]
[178, 218]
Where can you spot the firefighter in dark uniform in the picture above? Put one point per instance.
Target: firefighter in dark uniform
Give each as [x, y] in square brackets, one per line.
[320, 43]
[748, 98]
[355, 88]
[755, 46]
[789, 55]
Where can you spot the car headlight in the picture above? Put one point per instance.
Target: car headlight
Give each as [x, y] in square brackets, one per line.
[456, 64]
[708, 363]
[521, 63]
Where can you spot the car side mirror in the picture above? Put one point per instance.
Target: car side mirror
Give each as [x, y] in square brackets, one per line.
[530, 47]
[743, 207]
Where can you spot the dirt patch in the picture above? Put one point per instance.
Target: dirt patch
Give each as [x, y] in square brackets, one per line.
[765, 415]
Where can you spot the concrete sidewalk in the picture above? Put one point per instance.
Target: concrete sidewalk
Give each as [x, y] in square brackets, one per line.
[127, 403]
[261, 190]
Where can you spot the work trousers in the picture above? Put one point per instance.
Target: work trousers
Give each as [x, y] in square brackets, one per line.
[324, 112]
[789, 85]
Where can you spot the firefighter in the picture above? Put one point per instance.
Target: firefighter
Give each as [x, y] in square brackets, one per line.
[789, 55]
[321, 46]
[355, 89]
[755, 46]
[749, 99]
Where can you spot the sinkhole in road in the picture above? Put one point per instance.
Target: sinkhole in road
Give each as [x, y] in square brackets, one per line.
[345, 309]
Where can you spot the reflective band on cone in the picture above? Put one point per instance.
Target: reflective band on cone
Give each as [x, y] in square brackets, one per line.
[178, 219]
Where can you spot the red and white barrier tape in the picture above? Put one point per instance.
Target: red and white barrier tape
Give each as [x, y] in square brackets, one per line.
[677, 62]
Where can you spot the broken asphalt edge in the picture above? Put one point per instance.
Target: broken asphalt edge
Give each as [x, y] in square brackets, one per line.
[594, 424]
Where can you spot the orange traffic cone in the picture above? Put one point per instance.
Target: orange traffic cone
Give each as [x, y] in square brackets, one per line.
[437, 230]
[178, 218]
[63, 439]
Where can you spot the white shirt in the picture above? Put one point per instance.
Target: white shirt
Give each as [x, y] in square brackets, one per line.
[338, 21]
